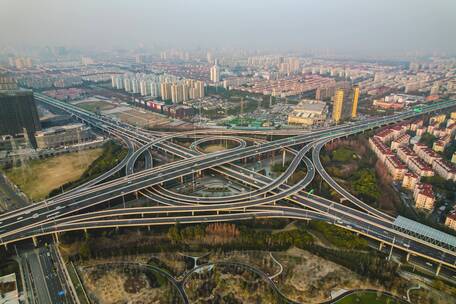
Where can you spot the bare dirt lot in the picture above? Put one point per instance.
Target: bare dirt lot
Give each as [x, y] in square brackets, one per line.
[142, 118]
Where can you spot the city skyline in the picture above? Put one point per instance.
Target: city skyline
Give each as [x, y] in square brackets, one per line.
[347, 27]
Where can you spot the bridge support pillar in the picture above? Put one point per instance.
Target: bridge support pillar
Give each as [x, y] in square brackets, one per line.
[193, 213]
[6, 246]
[117, 228]
[142, 215]
[283, 158]
[407, 257]
[438, 270]
[218, 211]
[380, 246]
[56, 235]
[148, 227]
[182, 179]
[35, 242]
[136, 193]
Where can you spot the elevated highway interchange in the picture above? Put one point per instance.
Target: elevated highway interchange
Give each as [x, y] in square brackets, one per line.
[267, 199]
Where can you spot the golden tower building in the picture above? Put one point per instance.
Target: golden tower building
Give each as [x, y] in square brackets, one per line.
[354, 111]
[338, 105]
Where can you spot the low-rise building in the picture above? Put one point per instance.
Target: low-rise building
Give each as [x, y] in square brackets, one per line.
[385, 135]
[444, 169]
[308, 112]
[424, 197]
[400, 141]
[421, 168]
[450, 220]
[395, 167]
[380, 149]
[63, 136]
[425, 153]
[420, 131]
[405, 153]
[410, 180]
[437, 118]
[416, 124]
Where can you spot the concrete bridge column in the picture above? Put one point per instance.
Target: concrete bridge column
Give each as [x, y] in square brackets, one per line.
[148, 227]
[182, 179]
[117, 228]
[35, 242]
[136, 193]
[381, 246]
[407, 257]
[283, 158]
[218, 211]
[56, 235]
[438, 270]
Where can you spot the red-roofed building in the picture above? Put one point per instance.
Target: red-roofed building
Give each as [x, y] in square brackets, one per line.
[405, 153]
[450, 220]
[421, 168]
[416, 124]
[380, 149]
[395, 167]
[424, 197]
[420, 131]
[445, 169]
[400, 141]
[428, 155]
[410, 180]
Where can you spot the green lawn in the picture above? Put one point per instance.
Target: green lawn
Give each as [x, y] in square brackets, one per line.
[343, 154]
[367, 298]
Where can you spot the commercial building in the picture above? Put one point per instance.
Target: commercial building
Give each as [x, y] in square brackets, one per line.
[308, 112]
[18, 113]
[63, 136]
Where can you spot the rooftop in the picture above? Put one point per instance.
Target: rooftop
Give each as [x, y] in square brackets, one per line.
[424, 231]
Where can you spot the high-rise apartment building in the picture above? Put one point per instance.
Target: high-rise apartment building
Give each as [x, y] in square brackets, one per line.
[354, 111]
[338, 105]
[165, 89]
[215, 73]
[345, 103]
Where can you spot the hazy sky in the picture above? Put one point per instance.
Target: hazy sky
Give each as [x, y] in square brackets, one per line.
[346, 25]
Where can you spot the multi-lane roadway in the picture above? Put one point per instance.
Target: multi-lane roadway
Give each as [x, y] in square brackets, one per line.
[69, 210]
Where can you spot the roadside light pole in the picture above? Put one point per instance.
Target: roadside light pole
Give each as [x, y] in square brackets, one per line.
[391, 250]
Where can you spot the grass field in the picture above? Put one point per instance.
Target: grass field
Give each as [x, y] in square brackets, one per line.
[367, 298]
[39, 177]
